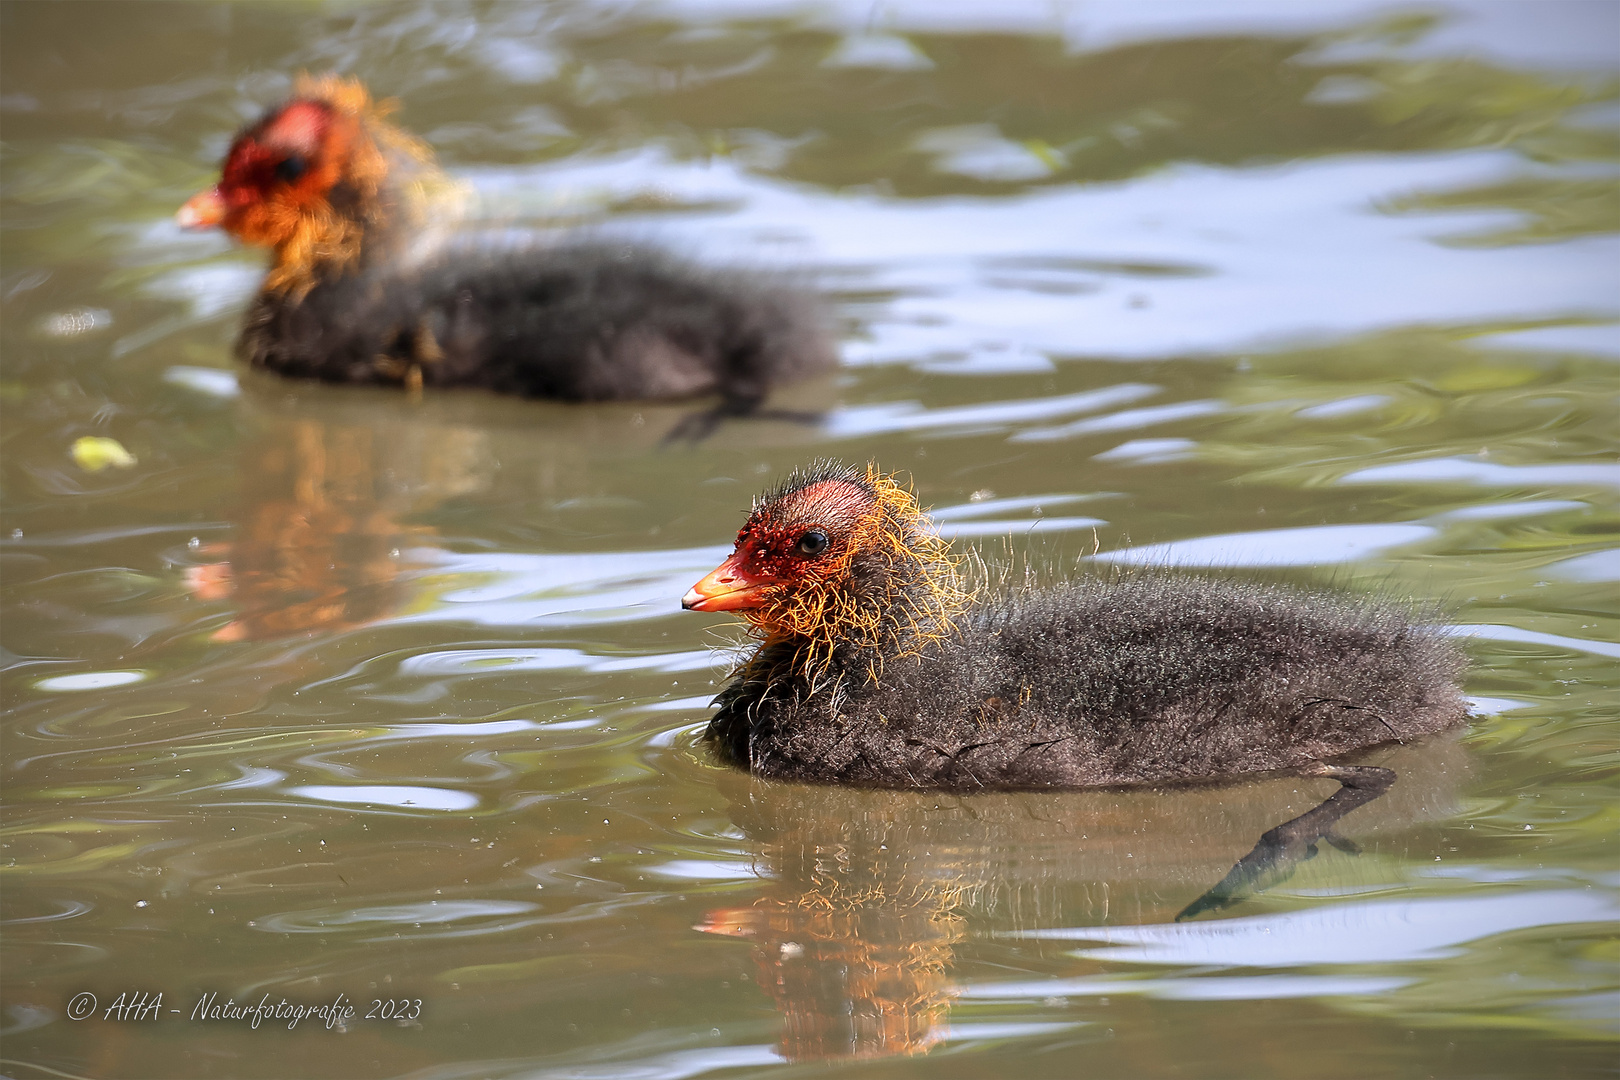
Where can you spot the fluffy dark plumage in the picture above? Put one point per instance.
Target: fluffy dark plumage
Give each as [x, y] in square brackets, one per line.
[1148, 678]
[577, 322]
[359, 291]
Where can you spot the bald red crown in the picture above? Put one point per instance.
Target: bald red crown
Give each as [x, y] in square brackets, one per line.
[287, 154]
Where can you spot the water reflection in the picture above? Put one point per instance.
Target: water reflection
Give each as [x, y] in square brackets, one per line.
[332, 528]
[866, 895]
[1301, 246]
[319, 540]
[1362, 932]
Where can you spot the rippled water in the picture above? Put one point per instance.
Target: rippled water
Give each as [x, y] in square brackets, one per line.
[330, 692]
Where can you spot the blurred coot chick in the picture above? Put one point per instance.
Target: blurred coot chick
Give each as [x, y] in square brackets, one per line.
[367, 284]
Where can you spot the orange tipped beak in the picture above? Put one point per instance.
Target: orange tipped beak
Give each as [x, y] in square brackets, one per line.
[727, 588]
[203, 210]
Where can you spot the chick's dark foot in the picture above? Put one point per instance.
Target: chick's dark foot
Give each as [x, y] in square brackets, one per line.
[1283, 848]
[695, 427]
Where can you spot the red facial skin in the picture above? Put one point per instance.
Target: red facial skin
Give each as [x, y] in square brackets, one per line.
[769, 560]
[764, 557]
[262, 188]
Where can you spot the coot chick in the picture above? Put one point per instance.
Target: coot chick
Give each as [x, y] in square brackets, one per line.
[360, 290]
[876, 668]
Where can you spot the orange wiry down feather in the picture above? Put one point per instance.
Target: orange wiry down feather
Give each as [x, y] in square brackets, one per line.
[820, 612]
[306, 231]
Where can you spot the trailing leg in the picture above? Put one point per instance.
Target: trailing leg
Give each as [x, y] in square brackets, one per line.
[1286, 846]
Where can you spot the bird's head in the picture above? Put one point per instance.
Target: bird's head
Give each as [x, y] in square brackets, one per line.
[836, 556]
[307, 179]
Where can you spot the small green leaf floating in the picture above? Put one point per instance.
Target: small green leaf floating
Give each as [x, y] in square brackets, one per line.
[93, 453]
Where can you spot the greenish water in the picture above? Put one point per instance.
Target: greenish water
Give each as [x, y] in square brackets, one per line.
[330, 692]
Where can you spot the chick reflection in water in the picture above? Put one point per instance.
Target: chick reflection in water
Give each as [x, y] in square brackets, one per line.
[320, 542]
[869, 894]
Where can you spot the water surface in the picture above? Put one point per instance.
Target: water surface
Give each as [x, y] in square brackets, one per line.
[335, 692]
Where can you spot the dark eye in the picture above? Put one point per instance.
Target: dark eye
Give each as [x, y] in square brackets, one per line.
[291, 167]
[813, 542]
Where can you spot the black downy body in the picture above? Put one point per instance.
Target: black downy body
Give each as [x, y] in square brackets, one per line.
[1149, 677]
[575, 322]
[379, 278]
